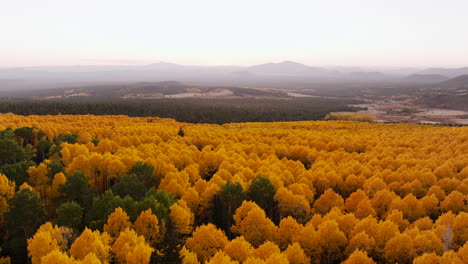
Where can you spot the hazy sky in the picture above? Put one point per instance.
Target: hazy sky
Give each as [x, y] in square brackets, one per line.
[234, 32]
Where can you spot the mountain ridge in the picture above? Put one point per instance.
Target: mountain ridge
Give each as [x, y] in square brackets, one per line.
[449, 72]
[459, 82]
[272, 74]
[426, 78]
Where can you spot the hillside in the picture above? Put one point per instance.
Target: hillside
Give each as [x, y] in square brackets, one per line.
[155, 190]
[425, 78]
[449, 72]
[287, 68]
[459, 82]
[279, 75]
[450, 94]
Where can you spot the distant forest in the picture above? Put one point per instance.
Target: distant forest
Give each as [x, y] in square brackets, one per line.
[217, 111]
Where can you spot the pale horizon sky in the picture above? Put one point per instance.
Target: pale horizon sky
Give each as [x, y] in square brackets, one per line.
[397, 33]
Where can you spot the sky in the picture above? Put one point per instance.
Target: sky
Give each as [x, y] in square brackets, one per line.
[395, 33]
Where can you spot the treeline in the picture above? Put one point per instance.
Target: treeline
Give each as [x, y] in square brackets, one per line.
[212, 111]
[350, 117]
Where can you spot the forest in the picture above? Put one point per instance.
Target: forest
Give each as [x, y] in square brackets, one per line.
[93, 189]
[214, 111]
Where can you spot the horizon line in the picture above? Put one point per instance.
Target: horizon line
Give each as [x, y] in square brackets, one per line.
[148, 63]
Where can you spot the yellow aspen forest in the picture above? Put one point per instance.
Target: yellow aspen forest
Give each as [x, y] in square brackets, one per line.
[117, 189]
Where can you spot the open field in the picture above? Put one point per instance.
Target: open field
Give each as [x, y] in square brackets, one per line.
[399, 112]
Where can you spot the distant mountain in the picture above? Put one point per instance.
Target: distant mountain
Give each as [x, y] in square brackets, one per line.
[160, 66]
[450, 94]
[388, 71]
[366, 75]
[290, 68]
[449, 72]
[242, 74]
[425, 78]
[283, 74]
[163, 64]
[460, 82]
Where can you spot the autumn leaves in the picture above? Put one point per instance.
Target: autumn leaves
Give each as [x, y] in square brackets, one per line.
[298, 192]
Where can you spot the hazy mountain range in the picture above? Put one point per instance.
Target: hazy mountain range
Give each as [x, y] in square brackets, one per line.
[459, 82]
[284, 73]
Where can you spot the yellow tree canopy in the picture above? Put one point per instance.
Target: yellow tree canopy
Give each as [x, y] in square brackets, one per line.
[147, 225]
[91, 242]
[182, 218]
[359, 257]
[252, 223]
[206, 240]
[129, 247]
[117, 222]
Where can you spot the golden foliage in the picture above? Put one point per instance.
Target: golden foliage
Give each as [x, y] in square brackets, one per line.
[327, 201]
[221, 258]
[296, 254]
[239, 249]
[131, 248]
[7, 190]
[400, 249]
[365, 186]
[5, 260]
[182, 218]
[290, 204]
[206, 240]
[117, 222]
[359, 257]
[40, 245]
[47, 239]
[147, 225]
[252, 223]
[57, 257]
[288, 229]
[265, 250]
[91, 242]
[188, 257]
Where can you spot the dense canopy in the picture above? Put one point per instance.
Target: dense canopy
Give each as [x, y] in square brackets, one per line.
[102, 189]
